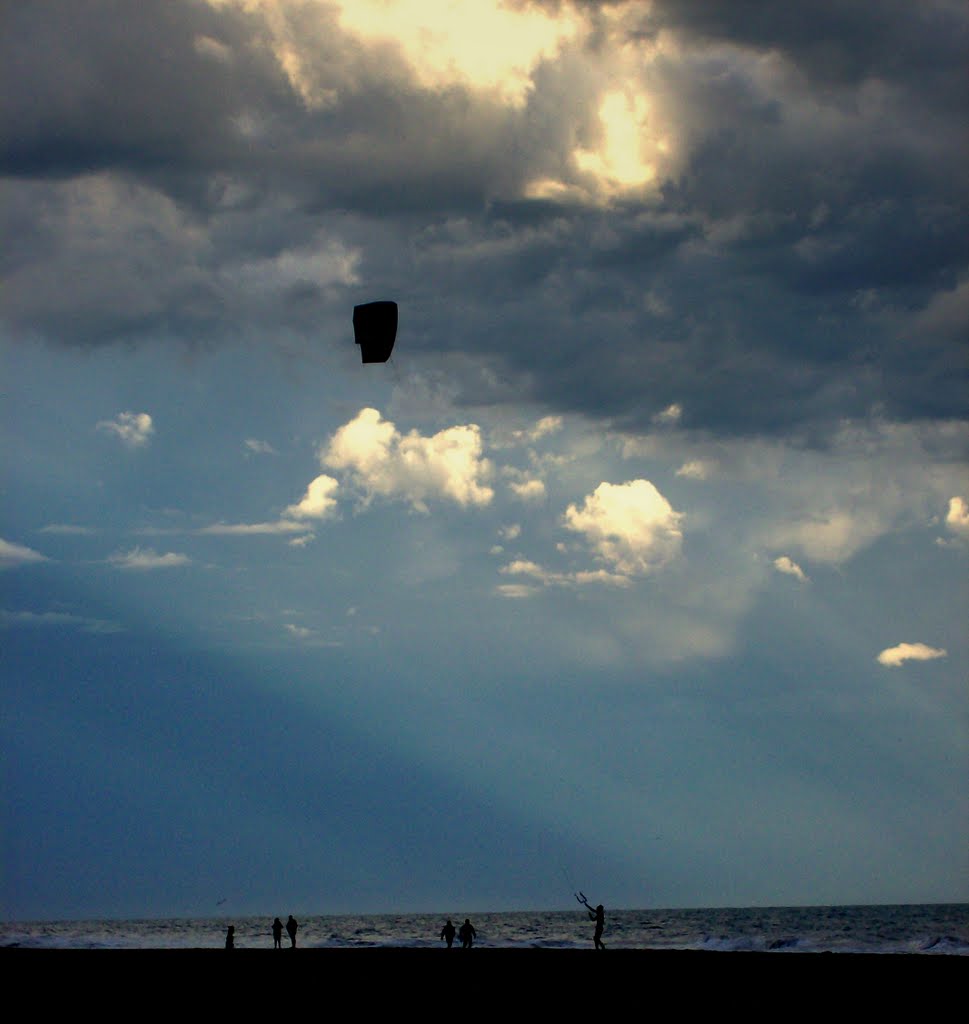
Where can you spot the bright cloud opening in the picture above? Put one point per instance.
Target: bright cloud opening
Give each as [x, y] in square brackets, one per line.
[474, 42]
[618, 163]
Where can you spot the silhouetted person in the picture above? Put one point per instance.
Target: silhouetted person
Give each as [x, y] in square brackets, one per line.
[277, 934]
[448, 932]
[291, 926]
[467, 934]
[230, 937]
[599, 916]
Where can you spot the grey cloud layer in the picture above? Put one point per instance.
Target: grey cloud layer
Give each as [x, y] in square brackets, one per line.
[802, 260]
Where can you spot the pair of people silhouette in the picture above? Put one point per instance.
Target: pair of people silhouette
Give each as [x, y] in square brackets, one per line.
[292, 926]
[465, 933]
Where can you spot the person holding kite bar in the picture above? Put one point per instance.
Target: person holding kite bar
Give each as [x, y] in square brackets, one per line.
[598, 915]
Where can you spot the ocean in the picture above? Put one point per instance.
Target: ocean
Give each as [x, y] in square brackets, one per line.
[936, 929]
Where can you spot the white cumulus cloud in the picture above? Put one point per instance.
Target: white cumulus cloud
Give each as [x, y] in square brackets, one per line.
[411, 467]
[132, 428]
[318, 502]
[630, 526]
[893, 657]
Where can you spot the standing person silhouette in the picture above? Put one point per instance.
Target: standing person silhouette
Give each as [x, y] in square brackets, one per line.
[277, 934]
[467, 934]
[448, 932]
[291, 926]
[599, 916]
[230, 937]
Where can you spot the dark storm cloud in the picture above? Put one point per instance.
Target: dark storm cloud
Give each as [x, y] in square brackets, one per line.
[165, 177]
[837, 41]
[110, 85]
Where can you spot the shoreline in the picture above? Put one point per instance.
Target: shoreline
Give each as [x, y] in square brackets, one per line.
[708, 957]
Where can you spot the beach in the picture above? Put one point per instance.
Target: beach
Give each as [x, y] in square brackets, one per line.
[481, 980]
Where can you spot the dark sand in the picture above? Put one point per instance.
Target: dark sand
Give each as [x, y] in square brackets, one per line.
[477, 982]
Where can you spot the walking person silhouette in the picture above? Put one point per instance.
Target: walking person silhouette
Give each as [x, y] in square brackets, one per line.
[467, 934]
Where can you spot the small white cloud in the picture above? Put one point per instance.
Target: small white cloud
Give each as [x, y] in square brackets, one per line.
[299, 632]
[532, 570]
[545, 426]
[670, 416]
[957, 517]
[516, 591]
[308, 637]
[631, 526]
[318, 502]
[611, 579]
[523, 567]
[12, 555]
[259, 447]
[789, 567]
[329, 263]
[57, 620]
[206, 46]
[528, 490]
[831, 536]
[303, 541]
[68, 529]
[132, 428]
[410, 467]
[510, 532]
[280, 526]
[697, 469]
[144, 559]
[898, 655]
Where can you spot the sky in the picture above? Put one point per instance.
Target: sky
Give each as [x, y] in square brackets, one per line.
[640, 569]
